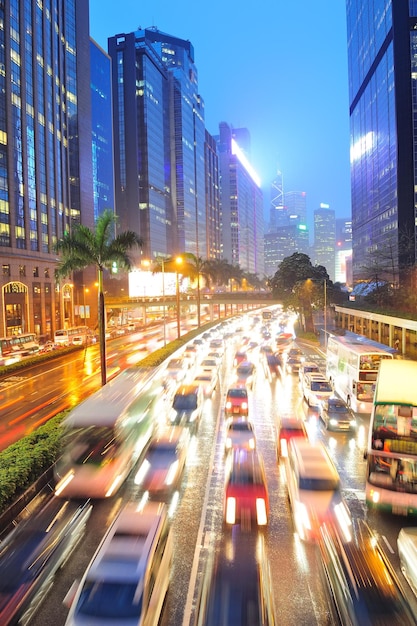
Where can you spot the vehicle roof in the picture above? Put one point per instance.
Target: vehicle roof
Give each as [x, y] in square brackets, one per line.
[184, 390]
[394, 383]
[313, 460]
[109, 403]
[123, 554]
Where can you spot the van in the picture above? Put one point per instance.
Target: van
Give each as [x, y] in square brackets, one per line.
[316, 388]
[407, 551]
[128, 577]
[313, 485]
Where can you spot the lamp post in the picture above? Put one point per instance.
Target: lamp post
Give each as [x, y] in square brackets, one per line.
[325, 312]
[163, 300]
[178, 261]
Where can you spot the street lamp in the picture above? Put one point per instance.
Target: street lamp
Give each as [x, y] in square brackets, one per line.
[161, 260]
[178, 261]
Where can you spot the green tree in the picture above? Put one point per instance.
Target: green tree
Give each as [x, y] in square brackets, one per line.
[299, 285]
[100, 247]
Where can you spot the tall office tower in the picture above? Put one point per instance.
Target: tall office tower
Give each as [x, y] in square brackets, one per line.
[102, 130]
[324, 238]
[241, 206]
[343, 251]
[45, 151]
[279, 244]
[382, 59]
[213, 223]
[159, 137]
[296, 205]
[277, 208]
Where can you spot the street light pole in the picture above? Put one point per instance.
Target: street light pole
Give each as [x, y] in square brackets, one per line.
[325, 312]
[163, 300]
[178, 260]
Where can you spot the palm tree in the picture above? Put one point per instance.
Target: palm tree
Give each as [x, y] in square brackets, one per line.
[84, 247]
[196, 267]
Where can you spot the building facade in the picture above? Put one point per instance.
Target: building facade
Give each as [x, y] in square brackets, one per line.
[241, 206]
[325, 239]
[160, 143]
[382, 62]
[45, 145]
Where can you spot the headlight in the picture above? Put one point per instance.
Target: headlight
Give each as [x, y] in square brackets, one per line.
[244, 405]
[228, 443]
[143, 470]
[252, 443]
[333, 422]
[302, 519]
[228, 405]
[172, 473]
[352, 423]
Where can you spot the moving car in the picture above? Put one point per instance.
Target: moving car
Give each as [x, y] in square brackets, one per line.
[239, 434]
[316, 389]
[236, 401]
[32, 554]
[293, 364]
[177, 369]
[289, 427]
[336, 415]
[187, 405]
[128, 577]
[162, 468]
[245, 374]
[240, 356]
[207, 379]
[246, 498]
[361, 583]
[314, 493]
[307, 367]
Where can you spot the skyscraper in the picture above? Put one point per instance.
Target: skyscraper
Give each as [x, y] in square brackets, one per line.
[382, 59]
[45, 148]
[241, 206]
[324, 238]
[159, 142]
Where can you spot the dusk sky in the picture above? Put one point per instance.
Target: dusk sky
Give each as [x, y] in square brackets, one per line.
[279, 71]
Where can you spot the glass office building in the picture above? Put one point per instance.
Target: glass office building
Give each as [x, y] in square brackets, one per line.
[45, 156]
[382, 61]
[159, 142]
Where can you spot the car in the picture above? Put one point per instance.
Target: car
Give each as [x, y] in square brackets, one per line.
[245, 374]
[217, 356]
[314, 490]
[239, 357]
[177, 369]
[128, 577]
[236, 401]
[239, 434]
[77, 341]
[162, 467]
[336, 415]
[209, 364]
[190, 354]
[187, 405]
[316, 389]
[361, 584]
[292, 364]
[217, 345]
[296, 352]
[289, 427]
[237, 585]
[207, 379]
[246, 498]
[307, 367]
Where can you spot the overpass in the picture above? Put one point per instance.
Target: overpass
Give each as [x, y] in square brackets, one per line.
[216, 305]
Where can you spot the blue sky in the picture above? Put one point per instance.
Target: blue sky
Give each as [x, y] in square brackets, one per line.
[280, 71]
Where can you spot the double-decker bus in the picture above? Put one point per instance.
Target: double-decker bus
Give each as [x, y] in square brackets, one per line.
[65, 336]
[352, 367]
[391, 455]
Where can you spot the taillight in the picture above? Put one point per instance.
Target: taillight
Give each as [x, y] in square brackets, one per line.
[230, 510]
[284, 447]
[261, 514]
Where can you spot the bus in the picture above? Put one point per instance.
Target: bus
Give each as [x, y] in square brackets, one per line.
[17, 346]
[391, 455]
[105, 435]
[352, 363]
[65, 336]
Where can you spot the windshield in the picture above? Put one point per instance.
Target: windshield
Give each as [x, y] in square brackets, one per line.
[93, 445]
[320, 386]
[319, 484]
[185, 403]
[237, 393]
[110, 600]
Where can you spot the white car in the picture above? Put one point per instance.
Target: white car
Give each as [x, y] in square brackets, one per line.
[207, 379]
[239, 434]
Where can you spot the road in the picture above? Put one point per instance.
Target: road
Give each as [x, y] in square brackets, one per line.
[197, 520]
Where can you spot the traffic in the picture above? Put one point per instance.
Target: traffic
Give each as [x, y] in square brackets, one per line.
[255, 486]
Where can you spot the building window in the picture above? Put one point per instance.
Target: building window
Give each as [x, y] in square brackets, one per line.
[6, 270]
[36, 289]
[36, 272]
[46, 272]
[22, 271]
